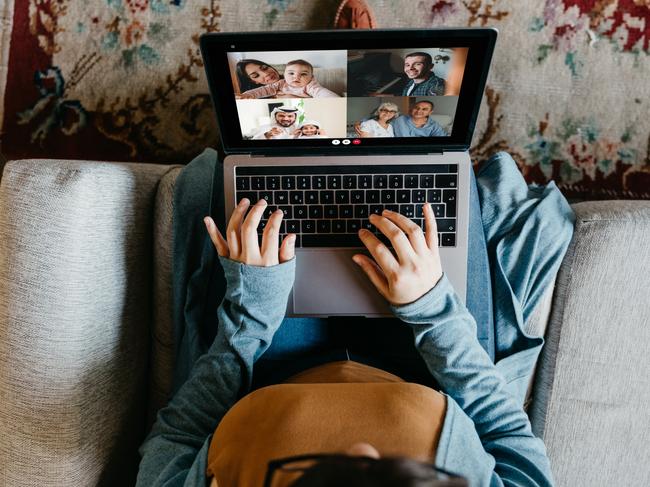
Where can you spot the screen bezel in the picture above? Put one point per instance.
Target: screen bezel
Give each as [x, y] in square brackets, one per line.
[215, 46]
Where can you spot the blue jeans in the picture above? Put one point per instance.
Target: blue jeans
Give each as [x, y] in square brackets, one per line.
[199, 286]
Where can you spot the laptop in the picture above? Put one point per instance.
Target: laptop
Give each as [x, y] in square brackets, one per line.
[332, 126]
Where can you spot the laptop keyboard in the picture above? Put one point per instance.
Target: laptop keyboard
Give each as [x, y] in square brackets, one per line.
[325, 206]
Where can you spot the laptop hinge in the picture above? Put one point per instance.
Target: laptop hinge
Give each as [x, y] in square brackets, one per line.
[316, 154]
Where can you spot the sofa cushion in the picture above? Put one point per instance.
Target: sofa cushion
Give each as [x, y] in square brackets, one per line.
[592, 389]
[75, 314]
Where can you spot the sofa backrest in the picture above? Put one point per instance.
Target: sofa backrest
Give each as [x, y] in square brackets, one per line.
[75, 316]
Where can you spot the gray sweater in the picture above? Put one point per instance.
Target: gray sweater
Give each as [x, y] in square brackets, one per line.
[486, 435]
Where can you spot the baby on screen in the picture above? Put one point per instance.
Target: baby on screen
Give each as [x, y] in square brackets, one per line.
[298, 82]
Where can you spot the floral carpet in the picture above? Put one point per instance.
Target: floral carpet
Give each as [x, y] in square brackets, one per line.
[568, 93]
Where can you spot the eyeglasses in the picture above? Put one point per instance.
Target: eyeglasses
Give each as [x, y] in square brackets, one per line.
[387, 110]
[284, 471]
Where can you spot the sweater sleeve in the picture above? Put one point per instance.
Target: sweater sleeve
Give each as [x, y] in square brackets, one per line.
[486, 436]
[316, 90]
[263, 91]
[254, 305]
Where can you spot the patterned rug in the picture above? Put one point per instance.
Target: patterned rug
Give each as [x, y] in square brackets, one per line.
[568, 94]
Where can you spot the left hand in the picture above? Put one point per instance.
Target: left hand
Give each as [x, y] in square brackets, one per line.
[417, 268]
[243, 243]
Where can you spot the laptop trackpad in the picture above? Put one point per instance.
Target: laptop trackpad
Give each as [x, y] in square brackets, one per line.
[329, 283]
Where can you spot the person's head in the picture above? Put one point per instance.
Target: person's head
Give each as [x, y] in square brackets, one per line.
[362, 466]
[309, 127]
[417, 65]
[285, 117]
[253, 73]
[422, 109]
[298, 73]
[386, 111]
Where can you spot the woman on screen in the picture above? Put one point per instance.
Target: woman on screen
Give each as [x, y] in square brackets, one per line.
[253, 73]
[380, 124]
[298, 81]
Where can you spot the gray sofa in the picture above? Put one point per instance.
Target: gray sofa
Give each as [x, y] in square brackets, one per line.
[86, 342]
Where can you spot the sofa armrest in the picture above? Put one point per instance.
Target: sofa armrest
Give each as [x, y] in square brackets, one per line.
[592, 386]
[162, 347]
[75, 316]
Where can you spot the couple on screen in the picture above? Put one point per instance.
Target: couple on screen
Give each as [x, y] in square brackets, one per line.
[387, 122]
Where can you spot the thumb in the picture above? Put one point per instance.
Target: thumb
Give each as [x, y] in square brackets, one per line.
[216, 237]
[374, 273]
[287, 249]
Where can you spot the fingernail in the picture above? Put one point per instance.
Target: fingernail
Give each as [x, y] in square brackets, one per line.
[243, 201]
[386, 211]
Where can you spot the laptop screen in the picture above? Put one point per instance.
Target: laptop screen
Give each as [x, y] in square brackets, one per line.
[395, 94]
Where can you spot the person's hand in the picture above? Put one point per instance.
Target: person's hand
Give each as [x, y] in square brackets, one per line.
[417, 268]
[272, 133]
[360, 133]
[242, 244]
[455, 72]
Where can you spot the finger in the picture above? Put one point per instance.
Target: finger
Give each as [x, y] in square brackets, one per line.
[397, 237]
[374, 273]
[270, 238]
[431, 228]
[382, 254]
[249, 239]
[410, 228]
[234, 226]
[216, 237]
[287, 249]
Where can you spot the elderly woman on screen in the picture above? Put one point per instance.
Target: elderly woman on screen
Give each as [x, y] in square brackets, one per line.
[379, 125]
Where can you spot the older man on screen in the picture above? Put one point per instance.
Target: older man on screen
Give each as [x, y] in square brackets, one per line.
[418, 123]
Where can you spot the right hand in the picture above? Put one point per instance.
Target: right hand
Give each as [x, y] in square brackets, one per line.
[272, 133]
[242, 244]
[415, 269]
[360, 133]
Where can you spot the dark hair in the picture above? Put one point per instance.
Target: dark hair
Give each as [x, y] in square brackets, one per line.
[384, 472]
[301, 62]
[423, 54]
[245, 83]
[426, 101]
